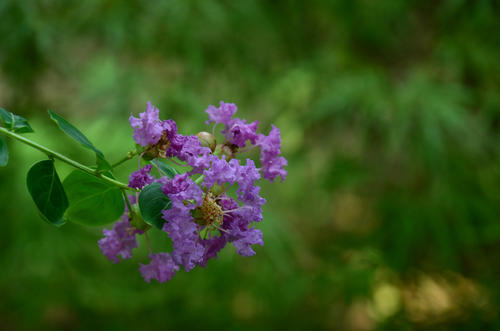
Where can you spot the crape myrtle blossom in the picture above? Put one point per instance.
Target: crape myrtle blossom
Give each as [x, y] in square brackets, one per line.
[161, 138]
[142, 177]
[185, 195]
[161, 268]
[121, 239]
[236, 131]
[223, 114]
[201, 217]
[148, 127]
[222, 172]
[270, 147]
[234, 229]
[194, 154]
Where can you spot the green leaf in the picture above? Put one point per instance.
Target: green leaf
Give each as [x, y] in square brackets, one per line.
[14, 122]
[77, 135]
[166, 169]
[92, 201]
[47, 192]
[152, 201]
[4, 153]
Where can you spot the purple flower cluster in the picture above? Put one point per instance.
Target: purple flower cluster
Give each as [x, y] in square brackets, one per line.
[201, 218]
[272, 164]
[238, 132]
[142, 177]
[121, 239]
[161, 268]
[185, 196]
[148, 127]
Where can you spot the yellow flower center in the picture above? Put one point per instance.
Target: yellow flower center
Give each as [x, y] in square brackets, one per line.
[211, 212]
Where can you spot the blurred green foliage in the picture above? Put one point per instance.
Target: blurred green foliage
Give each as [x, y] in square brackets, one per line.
[390, 118]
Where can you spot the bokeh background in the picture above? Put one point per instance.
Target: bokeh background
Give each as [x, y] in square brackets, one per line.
[390, 118]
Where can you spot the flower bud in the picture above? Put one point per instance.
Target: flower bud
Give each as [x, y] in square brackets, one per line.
[229, 150]
[207, 140]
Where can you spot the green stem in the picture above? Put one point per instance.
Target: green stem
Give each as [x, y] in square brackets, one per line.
[127, 201]
[52, 154]
[127, 157]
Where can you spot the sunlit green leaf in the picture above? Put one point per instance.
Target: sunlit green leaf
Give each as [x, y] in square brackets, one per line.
[92, 201]
[47, 192]
[78, 136]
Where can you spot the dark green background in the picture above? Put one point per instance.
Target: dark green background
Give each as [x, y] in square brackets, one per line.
[390, 117]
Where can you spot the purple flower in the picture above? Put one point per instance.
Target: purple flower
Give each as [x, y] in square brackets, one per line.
[223, 172]
[270, 145]
[237, 131]
[119, 241]
[195, 155]
[247, 176]
[270, 148]
[236, 230]
[252, 207]
[246, 238]
[223, 114]
[162, 268]
[237, 218]
[212, 247]
[148, 128]
[185, 195]
[200, 222]
[169, 128]
[273, 168]
[175, 185]
[140, 178]
[220, 172]
[177, 141]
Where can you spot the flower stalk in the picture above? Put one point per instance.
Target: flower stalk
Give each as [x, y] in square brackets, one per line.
[55, 155]
[127, 157]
